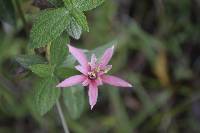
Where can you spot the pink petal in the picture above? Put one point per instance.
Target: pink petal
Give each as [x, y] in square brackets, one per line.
[101, 73]
[82, 69]
[72, 81]
[93, 61]
[99, 81]
[115, 81]
[107, 68]
[86, 82]
[106, 56]
[93, 94]
[79, 55]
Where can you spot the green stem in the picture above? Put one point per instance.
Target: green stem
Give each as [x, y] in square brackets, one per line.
[60, 112]
[21, 14]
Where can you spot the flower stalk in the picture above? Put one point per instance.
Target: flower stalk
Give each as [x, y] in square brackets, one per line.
[60, 112]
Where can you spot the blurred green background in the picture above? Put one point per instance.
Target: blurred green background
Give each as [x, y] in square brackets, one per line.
[158, 51]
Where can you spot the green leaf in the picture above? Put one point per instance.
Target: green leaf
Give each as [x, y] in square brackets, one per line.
[45, 95]
[85, 5]
[69, 61]
[63, 72]
[80, 18]
[48, 26]
[74, 100]
[28, 60]
[7, 12]
[58, 50]
[73, 29]
[42, 70]
[68, 4]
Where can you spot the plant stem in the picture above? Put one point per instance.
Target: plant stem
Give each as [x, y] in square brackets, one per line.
[21, 14]
[60, 112]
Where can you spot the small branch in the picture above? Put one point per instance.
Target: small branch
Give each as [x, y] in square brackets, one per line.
[60, 112]
[21, 14]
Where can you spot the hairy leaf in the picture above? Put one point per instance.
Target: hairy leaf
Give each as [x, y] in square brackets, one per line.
[80, 18]
[68, 4]
[42, 70]
[74, 30]
[45, 95]
[63, 72]
[58, 50]
[74, 100]
[69, 62]
[48, 26]
[28, 60]
[85, 5]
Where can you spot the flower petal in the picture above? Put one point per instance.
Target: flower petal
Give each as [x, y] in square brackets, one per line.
[107, 68]
[93, 61]
[106, 56]
[79, 55]
[99, 81]
[72, 81]
[86, 82]
[81, 69]
[93, 94]
[115, 81]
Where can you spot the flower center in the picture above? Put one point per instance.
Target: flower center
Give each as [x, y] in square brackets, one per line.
[92, 75]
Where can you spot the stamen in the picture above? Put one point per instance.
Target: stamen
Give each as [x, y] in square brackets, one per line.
[97, 69]
[92, 75]
[108, 68]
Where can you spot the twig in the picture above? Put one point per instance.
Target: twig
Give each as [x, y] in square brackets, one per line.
[60, 112]
[21, 14]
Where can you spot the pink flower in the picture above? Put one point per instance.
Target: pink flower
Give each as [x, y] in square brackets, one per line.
[93, 73]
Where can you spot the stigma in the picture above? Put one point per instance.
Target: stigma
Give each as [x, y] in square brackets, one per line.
[92, 75]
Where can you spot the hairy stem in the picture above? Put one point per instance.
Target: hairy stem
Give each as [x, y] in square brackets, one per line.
[60, 112]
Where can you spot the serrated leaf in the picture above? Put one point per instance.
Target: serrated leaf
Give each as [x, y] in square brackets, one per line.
[63, 72]
[48, 26]
[69, 62]
[73, 29]
[58, 50]
[68, 4]
[7, 12]
[80, 18]
[85, 5]
[28, 60]
[74, 100]
[45, 95]
[42, 70]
